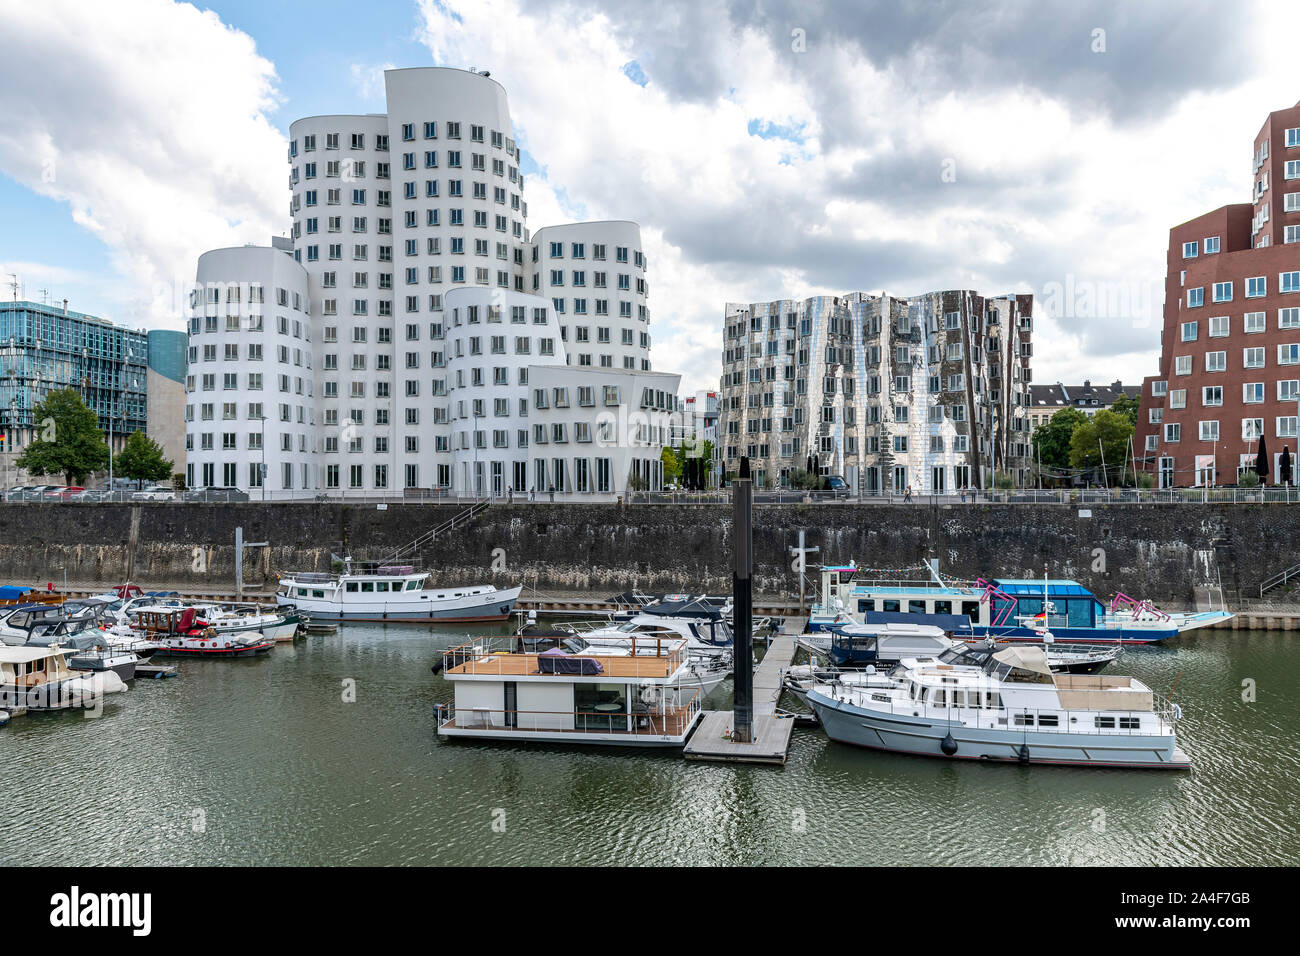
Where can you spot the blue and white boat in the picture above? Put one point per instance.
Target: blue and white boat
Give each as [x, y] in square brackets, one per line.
[1006, 609]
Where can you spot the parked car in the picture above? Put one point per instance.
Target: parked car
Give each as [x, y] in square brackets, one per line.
[37, 492]
[838, 486]
[215, 494]
[90, 494]
[153, 493]
[62, 492]
[17, 492]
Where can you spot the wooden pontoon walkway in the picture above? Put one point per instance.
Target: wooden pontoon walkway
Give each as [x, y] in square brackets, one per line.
[771, 742]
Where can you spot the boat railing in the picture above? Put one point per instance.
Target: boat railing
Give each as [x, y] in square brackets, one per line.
[1003, 718]
[647, 657]
[648, 721]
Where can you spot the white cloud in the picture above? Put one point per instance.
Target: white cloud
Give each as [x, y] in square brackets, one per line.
[152, 128]
[1047, 190]
[369, 80]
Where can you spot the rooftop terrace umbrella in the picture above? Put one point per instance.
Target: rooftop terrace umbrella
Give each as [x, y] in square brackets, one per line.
[1261, 461]
[1284, 465]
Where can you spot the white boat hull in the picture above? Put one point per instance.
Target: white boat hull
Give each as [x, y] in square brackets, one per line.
[924, 735]
[490, 604]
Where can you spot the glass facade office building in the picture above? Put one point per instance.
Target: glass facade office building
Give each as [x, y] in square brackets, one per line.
[44, 348]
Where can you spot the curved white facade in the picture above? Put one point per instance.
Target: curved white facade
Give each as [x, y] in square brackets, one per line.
[425, 309]
[494, 339]
[250, 382]
[594, 273]
[436, 205]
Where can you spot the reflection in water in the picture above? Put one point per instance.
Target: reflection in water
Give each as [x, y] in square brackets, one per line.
[262, 761]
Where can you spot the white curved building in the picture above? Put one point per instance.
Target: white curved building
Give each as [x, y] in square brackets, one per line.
[250, 383]
[430, 302]
[392, 212]
[594, 273]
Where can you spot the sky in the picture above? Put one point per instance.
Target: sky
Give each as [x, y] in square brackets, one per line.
[769, 149]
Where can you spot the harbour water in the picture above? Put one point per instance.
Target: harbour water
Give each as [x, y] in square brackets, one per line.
[324, 752]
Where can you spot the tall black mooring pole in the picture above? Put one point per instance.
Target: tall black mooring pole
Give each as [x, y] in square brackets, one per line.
[742, 599]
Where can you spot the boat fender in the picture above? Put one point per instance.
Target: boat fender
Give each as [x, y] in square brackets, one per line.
[948, 746]
[1024, 753]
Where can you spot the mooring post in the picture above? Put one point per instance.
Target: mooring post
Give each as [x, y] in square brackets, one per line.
[239, 564]
[742, 599]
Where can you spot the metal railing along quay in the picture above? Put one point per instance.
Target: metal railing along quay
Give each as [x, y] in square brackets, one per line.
[1069, 498]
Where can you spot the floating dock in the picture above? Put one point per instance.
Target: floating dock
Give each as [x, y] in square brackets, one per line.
[771, 744]
[156, 671]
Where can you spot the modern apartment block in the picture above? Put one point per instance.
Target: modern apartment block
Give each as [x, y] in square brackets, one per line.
[412, 311]
[1230, 346]
[594, 273]
[251, 380]
[44, 348]
[928, 392]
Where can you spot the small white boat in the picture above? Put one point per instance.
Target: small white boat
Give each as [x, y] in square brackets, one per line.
[38, 678]
[366, 591]
[272, 623]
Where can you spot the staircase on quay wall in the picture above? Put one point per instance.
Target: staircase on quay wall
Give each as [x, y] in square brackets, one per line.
[417, 547]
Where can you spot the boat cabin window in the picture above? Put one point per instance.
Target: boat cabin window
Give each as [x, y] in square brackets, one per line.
[352, 586]
[866, 604]
[915, 607]
[912, 691]
[319, 594]
[1047, 720]
[367, 587]
[381, 586]
[1129, 723]
[891, 607]
[1023, 720]
[939, 697]
[971, 609]
[413, 584]
[1104, 723]
[942, 607]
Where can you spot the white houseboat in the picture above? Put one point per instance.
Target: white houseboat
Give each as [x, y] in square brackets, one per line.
[373, 592]
[629, 696]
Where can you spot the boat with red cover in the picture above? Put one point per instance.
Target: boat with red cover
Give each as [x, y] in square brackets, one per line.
[180, 632]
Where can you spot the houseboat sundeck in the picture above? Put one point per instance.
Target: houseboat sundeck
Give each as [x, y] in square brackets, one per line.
[366, 591]
[507, 689]
[1011, 710]
[1008, 609]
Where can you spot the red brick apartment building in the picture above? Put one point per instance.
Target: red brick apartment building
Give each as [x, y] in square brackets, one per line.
[1230, 347]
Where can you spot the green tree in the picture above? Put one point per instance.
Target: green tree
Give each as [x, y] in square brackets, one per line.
[672, 463]
[1128, 406]
[68, 441]
[1106, 431]
[1052, 439]
[142, 459]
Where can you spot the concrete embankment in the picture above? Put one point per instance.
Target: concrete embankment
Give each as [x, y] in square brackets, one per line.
[1162, 552]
